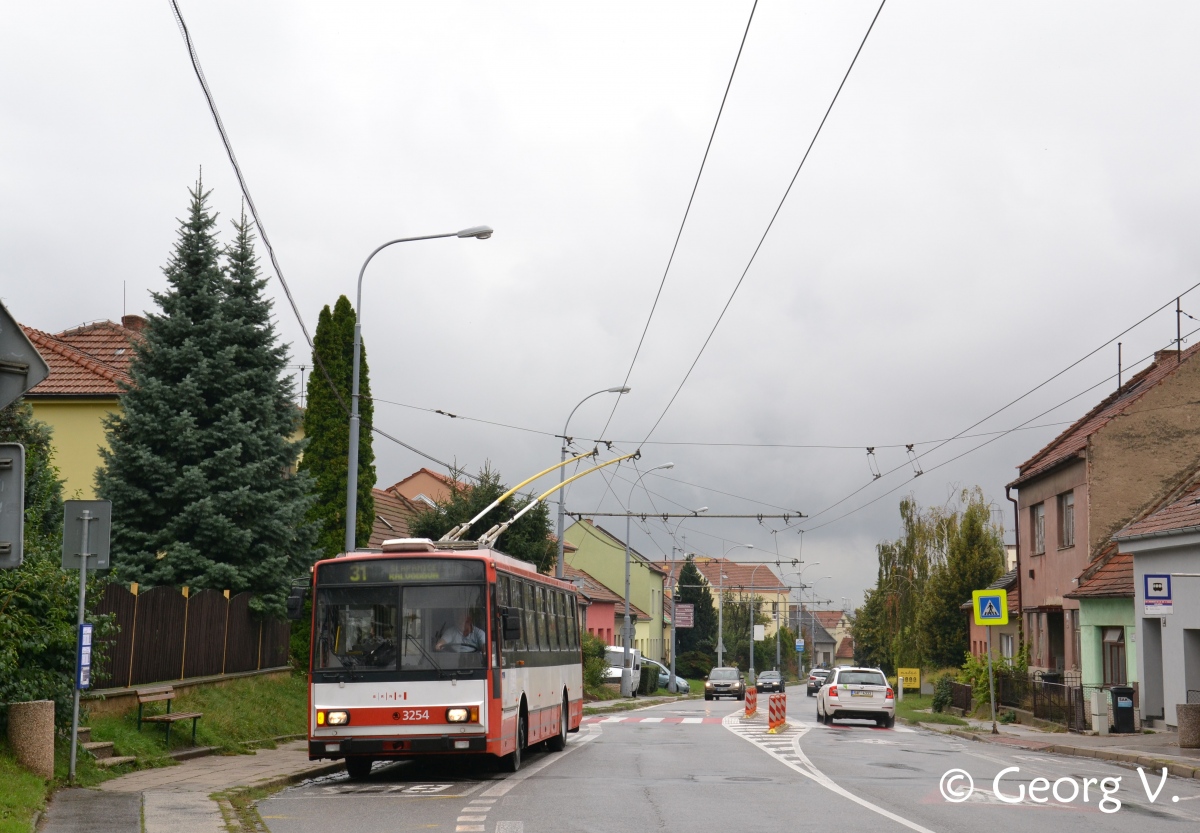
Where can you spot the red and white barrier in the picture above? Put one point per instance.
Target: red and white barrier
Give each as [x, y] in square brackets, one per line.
[751, 701]
[776, 713]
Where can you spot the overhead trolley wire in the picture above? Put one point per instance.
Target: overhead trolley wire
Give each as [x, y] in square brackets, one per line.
[770, 224]
[262, 233]
[686, 211]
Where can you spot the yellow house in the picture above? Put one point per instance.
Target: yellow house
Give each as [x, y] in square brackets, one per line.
[87, 366]
[747, 580]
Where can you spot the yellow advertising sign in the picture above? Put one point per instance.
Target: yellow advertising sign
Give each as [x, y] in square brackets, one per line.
[990, 607]
[912, 678]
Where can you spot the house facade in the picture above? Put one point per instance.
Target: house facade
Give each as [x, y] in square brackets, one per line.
[426, 487]
[741, 580]
[88, 366]
[1116, 463]
[1164, 549]
[601, 555]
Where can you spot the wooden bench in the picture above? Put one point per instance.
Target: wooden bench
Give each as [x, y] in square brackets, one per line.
[157, 694]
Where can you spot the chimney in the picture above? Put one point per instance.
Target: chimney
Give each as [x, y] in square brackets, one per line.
[133, 322]
[1169, 355]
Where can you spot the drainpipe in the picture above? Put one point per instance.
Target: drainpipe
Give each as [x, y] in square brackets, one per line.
[1020, 578]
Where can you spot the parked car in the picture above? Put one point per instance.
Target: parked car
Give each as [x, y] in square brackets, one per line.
[769, 681]
[724, 682]
[856, 693]
[816, 679]
[664, 675]
[615, 654]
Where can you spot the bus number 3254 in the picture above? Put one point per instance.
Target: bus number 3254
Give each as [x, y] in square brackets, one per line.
[411, 714]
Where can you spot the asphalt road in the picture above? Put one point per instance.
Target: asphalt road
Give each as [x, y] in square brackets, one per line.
[696, 766]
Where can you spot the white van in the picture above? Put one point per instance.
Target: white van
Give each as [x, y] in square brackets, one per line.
[615, 654]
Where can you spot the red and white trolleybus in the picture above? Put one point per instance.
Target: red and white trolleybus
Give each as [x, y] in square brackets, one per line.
[439, 648]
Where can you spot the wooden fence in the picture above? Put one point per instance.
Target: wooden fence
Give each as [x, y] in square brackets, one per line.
[164, 635]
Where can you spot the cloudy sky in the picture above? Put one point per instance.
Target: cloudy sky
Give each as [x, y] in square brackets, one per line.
[1000, 189]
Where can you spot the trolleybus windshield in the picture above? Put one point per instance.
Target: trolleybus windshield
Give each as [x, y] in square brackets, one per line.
[431, 626]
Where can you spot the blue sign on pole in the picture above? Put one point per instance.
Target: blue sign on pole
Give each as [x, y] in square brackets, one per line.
[799, 645]
[83, 660]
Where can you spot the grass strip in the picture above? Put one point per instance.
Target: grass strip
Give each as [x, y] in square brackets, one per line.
[919, 709]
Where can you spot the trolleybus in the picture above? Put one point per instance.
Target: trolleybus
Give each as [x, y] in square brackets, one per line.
[439, 648]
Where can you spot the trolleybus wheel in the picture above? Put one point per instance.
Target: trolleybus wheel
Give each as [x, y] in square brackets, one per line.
[512, 761]
[559, 742]
[358, 768]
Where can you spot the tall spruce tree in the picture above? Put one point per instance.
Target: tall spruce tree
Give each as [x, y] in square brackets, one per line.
[694, 590]
[327, 430]
[200, 462]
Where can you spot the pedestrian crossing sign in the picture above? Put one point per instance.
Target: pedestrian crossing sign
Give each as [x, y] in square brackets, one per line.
[990, 606]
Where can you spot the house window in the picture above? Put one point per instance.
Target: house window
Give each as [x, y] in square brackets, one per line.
[1114, 656]
[1066, 519]
[1037, 527]
[1006, 645]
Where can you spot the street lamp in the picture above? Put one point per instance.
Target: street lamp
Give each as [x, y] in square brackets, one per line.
[812, 616]
[558, 570]
[475, 232]
[751, 606]
[721, 606]
[627, 627]
[671, 686]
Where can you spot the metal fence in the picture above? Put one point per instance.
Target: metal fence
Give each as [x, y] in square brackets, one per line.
[1193, 696]
[163, 635]
[1059, 703]
[960, 697]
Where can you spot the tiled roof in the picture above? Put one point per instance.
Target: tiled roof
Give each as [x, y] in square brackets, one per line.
[1180, 516]
[814, 630]
[74, 372]
[105, 341]
[845, 648]
[393, 512]
[738, 575]
[598, 592]
[1109, 577]
[829, 619]
[1074, 440]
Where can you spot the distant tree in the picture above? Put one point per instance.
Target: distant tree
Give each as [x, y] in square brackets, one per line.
[974, 559]
[200, 462]
[694, 590]
[737, 632]
[872, 640]
[327, 431]
[528, 539]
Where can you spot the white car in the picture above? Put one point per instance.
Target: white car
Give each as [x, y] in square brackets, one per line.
[856, 693]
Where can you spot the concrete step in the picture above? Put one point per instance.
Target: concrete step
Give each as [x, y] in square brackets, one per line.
[84, 734]
[100, 750]
[106, 763]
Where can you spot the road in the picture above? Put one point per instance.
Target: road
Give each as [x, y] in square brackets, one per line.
[696, 766]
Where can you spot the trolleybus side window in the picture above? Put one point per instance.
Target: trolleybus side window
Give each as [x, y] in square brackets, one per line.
[574, 617]
[564, 629]
[530, 635]
[543, 625]
[552, 617]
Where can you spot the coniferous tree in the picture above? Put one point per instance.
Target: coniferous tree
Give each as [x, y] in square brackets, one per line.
[200, 462]
[694, 590]
[327, 431]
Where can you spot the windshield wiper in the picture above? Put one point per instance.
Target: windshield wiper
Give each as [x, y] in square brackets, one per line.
[426, 654]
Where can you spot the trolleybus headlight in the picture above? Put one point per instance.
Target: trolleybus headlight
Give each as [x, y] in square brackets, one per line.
[457, 715]
[337, 718]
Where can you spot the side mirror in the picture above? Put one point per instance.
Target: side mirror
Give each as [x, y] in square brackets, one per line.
[510, 624]
[295, 603]
[706, 678]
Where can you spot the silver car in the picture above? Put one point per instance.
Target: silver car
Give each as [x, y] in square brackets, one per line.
[856, 693]
[724, 682]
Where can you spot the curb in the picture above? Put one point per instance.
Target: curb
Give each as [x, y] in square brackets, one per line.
[1118, 756]
[279, 781]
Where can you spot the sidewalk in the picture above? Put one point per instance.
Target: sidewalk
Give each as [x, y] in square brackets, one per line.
[177, 797]
[1157, 749]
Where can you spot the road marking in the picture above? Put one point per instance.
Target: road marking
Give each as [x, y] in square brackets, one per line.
[511, 781]
[652, 720]
[469, 828]
[510, 827]
[471, 818]
[665, 721]
[693, 720]
[756, 733]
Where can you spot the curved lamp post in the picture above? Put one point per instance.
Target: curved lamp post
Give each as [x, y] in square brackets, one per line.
[721, 607]
[626, 626]
[558, 570]
[476, 233]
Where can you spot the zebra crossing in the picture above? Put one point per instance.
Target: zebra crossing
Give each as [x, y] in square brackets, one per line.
[686, 721]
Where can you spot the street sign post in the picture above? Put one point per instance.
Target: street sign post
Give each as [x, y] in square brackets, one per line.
[1156, 597]
[799, 646]
[12, 505]
[685, 615]
[21, 366]
[86, 526]
[990, 608]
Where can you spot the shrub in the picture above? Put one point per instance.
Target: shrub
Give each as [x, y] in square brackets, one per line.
[594, 662]
[693, 665]
[941, 693]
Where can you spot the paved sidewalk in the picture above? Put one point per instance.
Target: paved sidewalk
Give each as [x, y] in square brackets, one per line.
[1157, 749]
[176, 797]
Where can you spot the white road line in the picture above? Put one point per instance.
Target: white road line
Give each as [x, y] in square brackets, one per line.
[612, 720]
[510, 827]
[652, 720]
[693, 720]
[508, 783]
[471, 818]
[812, 773]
